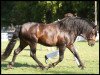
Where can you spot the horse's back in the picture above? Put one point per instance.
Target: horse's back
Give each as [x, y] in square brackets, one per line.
[27, 26]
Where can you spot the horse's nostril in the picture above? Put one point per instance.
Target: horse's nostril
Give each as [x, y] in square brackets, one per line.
[92, 44]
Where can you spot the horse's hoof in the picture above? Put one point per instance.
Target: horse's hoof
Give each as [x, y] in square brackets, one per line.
[53, 64]
[82, 67]
[47, 67]
[79, 66]
[42, 67]
[50, 65]
[9, 66]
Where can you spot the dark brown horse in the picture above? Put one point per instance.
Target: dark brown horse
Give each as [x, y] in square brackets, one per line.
[61, 34]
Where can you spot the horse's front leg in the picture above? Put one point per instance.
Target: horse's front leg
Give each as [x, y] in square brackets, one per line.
[33, 55]
[61, 56]
[77, 58]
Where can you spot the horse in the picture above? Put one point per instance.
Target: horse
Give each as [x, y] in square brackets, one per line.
[61, 34]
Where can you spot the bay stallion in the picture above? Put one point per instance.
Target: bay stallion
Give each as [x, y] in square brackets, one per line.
[61, 34]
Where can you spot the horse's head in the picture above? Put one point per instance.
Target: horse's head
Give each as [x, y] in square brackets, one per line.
[91, 36]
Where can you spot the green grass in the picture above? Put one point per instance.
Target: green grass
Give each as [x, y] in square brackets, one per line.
[26, 65]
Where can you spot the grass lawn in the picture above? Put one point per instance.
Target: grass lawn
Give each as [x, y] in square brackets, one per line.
[24, 64]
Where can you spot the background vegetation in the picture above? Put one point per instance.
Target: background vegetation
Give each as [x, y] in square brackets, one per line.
[19, 12]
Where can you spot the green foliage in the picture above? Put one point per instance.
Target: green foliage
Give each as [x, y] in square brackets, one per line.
[19, 12]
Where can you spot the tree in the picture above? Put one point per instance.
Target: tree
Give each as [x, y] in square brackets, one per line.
[19, 12]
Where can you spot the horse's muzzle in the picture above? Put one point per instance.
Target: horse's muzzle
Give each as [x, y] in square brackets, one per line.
[91, 43]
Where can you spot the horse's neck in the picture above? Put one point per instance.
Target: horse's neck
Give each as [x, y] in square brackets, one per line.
[84, 29]
[79, 30]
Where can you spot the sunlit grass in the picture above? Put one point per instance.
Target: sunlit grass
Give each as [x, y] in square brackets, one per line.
[26, 65]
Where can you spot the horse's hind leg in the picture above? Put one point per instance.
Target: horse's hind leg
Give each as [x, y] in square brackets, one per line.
[16, 52]
[61, 56]
[33, 55]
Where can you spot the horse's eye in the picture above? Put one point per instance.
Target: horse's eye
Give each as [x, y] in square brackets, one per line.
[92, 33]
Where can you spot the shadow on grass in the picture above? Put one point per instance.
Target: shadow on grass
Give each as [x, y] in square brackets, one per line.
[4, 65]
[49, 71]
[18, 65]
[62, 72]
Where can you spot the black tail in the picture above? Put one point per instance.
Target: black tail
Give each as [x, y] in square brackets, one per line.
[11, 45]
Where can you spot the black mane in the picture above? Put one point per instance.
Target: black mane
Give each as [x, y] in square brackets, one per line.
[75, 24]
